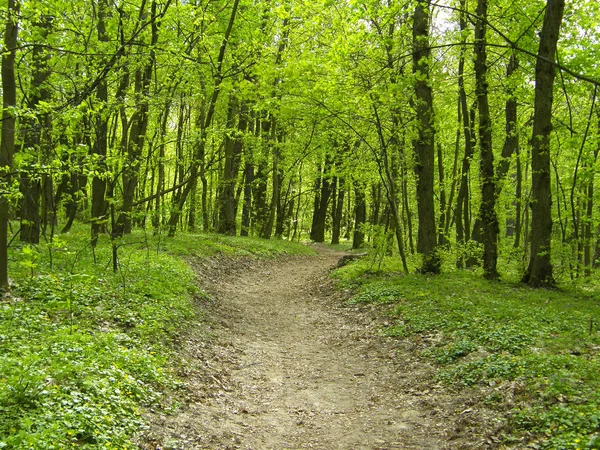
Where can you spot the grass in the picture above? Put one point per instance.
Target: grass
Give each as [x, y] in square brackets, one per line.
[84, 350]
[543, 343]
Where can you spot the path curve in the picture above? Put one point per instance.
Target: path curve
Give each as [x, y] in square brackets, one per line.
[289, 366]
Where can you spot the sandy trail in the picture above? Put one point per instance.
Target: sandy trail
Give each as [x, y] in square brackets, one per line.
[289, 366]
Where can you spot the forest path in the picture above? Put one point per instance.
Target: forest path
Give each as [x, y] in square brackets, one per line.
[289, 366]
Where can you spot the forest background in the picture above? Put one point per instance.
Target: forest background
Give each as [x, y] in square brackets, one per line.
[452, 135]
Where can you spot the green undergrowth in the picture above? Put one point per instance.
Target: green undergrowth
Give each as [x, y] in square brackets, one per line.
[534, 353]
[84, 350]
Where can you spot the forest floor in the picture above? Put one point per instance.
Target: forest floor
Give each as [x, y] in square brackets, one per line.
[286, 363]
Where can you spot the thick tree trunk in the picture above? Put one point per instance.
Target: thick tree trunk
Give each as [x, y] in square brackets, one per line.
[539, 272]
[487, 211]
[424, 143]
[7, 142]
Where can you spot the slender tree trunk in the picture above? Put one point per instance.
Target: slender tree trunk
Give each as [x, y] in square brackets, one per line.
[320, 215]
[360, 216]
[160, 183]
[539, 272]
[511, 140]
[36, 137]
[518, 201]
[247, 205]
[99, 204]
[200, 151]
[424, 143]
[442, 240]
[337, 212]
[589, 219]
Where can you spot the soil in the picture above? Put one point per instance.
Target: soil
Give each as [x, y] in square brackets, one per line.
[287, 364]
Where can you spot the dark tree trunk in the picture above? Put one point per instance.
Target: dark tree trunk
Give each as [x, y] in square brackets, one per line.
[259, 197]
[317, 233]
[137, 134]
[487, 212]
[160, 183]
[360, 216]
[442, 240]
[7, 142]
[337, 212]
[247, 205]
[462, 213]
[233, 150]
[588, 263]
[99, 204]
[424, 142]
[518, 201]
[539, 272]
[36, 138]
[511, 141]
[199, 154]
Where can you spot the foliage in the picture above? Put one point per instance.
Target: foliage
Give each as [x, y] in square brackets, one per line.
[83, 350]
[545, 344]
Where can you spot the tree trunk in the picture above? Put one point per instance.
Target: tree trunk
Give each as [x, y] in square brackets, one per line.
[337, 212]
[589, 219]
[247, 205]
[7, 142]
[539, 272]
[317, 233]
[487, 212]
[36, 138]
[99, 204]
[199, 154]
[360, 215]
[424, 143]
[442, 240]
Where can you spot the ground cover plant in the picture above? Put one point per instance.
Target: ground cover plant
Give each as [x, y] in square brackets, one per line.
[84, 350]
[534, 354]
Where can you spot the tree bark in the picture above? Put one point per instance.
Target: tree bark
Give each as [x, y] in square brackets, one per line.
[487, 211]
[539, 272]
[99, 204]
[36, 137]
[195, 166]
[317, 233]
[424, 143]
[360, 216]
[7, 142]
[337, 212]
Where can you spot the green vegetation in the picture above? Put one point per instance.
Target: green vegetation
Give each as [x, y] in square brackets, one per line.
[84, 350]
[534, 353]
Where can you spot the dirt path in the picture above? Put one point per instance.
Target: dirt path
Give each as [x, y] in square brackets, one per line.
[290, 367]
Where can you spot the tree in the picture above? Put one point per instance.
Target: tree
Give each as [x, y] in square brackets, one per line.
[539, 272]
[487, 211]
[424, 143]
[7, 142]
